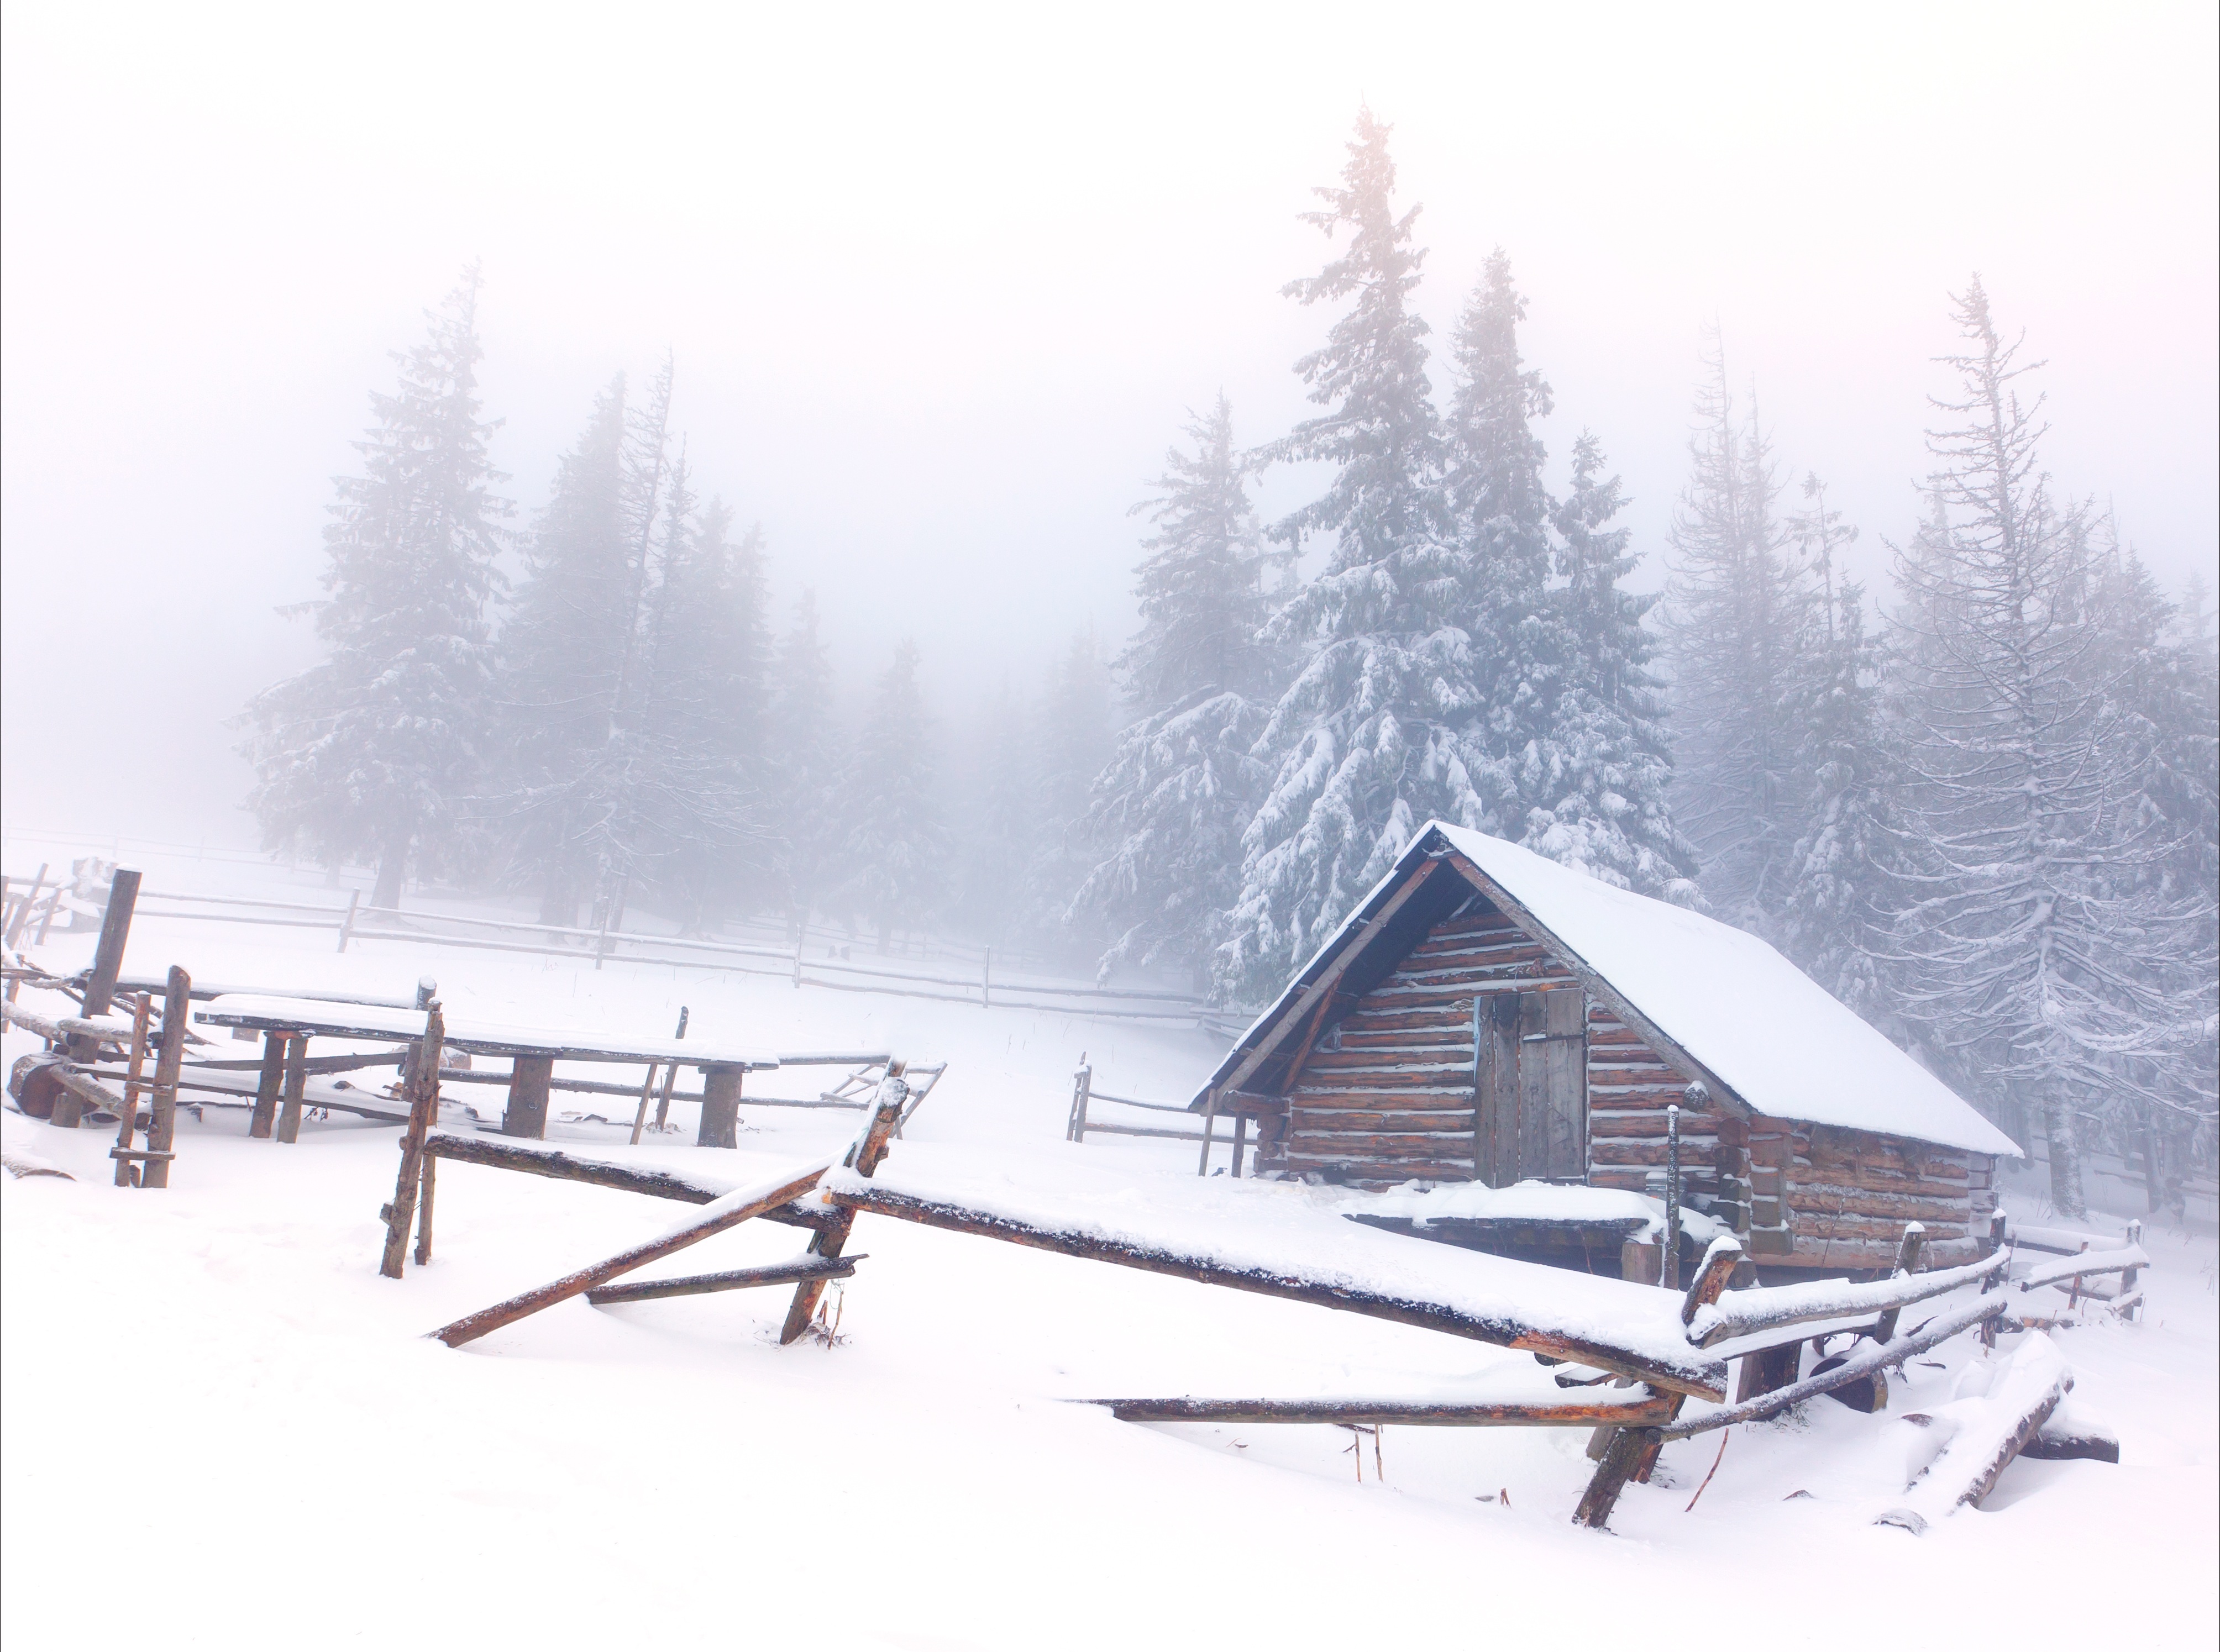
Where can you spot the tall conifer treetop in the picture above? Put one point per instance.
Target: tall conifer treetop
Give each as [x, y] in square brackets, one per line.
[1382, 433]
[379, 750]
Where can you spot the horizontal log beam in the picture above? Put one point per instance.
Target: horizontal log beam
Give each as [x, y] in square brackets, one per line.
[1623, 1413]
[734, 1278]
[1698, 1374]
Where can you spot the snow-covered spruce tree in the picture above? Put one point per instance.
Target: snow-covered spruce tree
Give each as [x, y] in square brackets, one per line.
[1361, 743]
[1001, 820]
[1834, 919]
[809, 756]
[378, 749]
[698, 734]
[1609, 811]
[2040, 960]
[1740, 617]
[895, 860]
[1074, 734]
[1568, 753]
[1168, 812]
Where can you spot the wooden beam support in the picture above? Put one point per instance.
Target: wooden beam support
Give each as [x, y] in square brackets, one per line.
[297, 1087]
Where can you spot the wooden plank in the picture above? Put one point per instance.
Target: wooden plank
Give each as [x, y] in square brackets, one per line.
[730, 1211]
[1695, 1375]
[162, 1125]
[1565, 1060]
[1496, 1131]
[1647, 1409]
[733, 1279]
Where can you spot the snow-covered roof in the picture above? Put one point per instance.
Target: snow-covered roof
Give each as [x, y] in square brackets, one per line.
[1785, 1045]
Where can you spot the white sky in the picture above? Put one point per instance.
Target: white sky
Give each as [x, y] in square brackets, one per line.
[943, 283]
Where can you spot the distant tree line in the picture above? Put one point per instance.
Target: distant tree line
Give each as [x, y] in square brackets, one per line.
[1985, 811]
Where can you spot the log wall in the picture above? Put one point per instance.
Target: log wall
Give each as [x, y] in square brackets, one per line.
[1390, 1095]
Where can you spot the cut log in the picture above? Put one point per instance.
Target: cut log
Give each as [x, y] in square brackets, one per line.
[732, 1210]
[1650, 1409]
[2022, 1396]
[270, 1086]
[736, 1279]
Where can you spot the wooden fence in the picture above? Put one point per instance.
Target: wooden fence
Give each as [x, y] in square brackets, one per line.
[1081, 1121]
[32, 903]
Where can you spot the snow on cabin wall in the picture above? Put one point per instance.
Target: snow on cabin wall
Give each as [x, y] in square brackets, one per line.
[1389, 1095]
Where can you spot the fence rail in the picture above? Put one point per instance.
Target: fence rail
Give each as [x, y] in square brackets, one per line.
[358, 920]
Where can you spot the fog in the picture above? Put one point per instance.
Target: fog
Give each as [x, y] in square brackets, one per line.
[941, 289]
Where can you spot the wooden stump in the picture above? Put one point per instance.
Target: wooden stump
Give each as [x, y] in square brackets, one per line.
[720, 1109]
[527, 1113]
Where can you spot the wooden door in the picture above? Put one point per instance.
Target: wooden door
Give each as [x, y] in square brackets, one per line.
[1530, 1060]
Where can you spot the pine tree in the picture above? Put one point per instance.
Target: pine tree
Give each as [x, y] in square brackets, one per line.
[1834, 920]
[1167, 811]
[699, 737]
[1002, 826]
[896, 852]
[1074, 742]
[1740, 622]
[2041, 958]
[377, 749]
[1610, 812]
[808, 759]
[564, 652]
[1363, 744]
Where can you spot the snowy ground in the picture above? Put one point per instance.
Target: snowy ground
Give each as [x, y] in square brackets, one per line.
[219, 1427]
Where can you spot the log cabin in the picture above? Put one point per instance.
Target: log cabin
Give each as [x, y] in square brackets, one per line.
[1489, 1016]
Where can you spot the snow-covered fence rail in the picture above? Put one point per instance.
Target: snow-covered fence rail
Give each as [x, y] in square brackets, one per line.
[358, 921]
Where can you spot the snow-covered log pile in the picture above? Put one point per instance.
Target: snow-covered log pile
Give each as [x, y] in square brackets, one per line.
[1963, 1446]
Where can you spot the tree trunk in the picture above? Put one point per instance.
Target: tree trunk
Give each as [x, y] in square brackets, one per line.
[2065, 1147]
[390, 867]
[558, 899]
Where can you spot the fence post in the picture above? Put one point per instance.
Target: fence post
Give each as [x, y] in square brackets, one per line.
[986, 978]
[162, 1129]
[126, 1174]
[2127, 1276]
[346, 928]
[1209, 1130]
[108, 956]
[1907, 1264]
[1988, 1333]
[671, 1076]
[1668, 1263]
[1240, 1141]
[1074, 1128]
